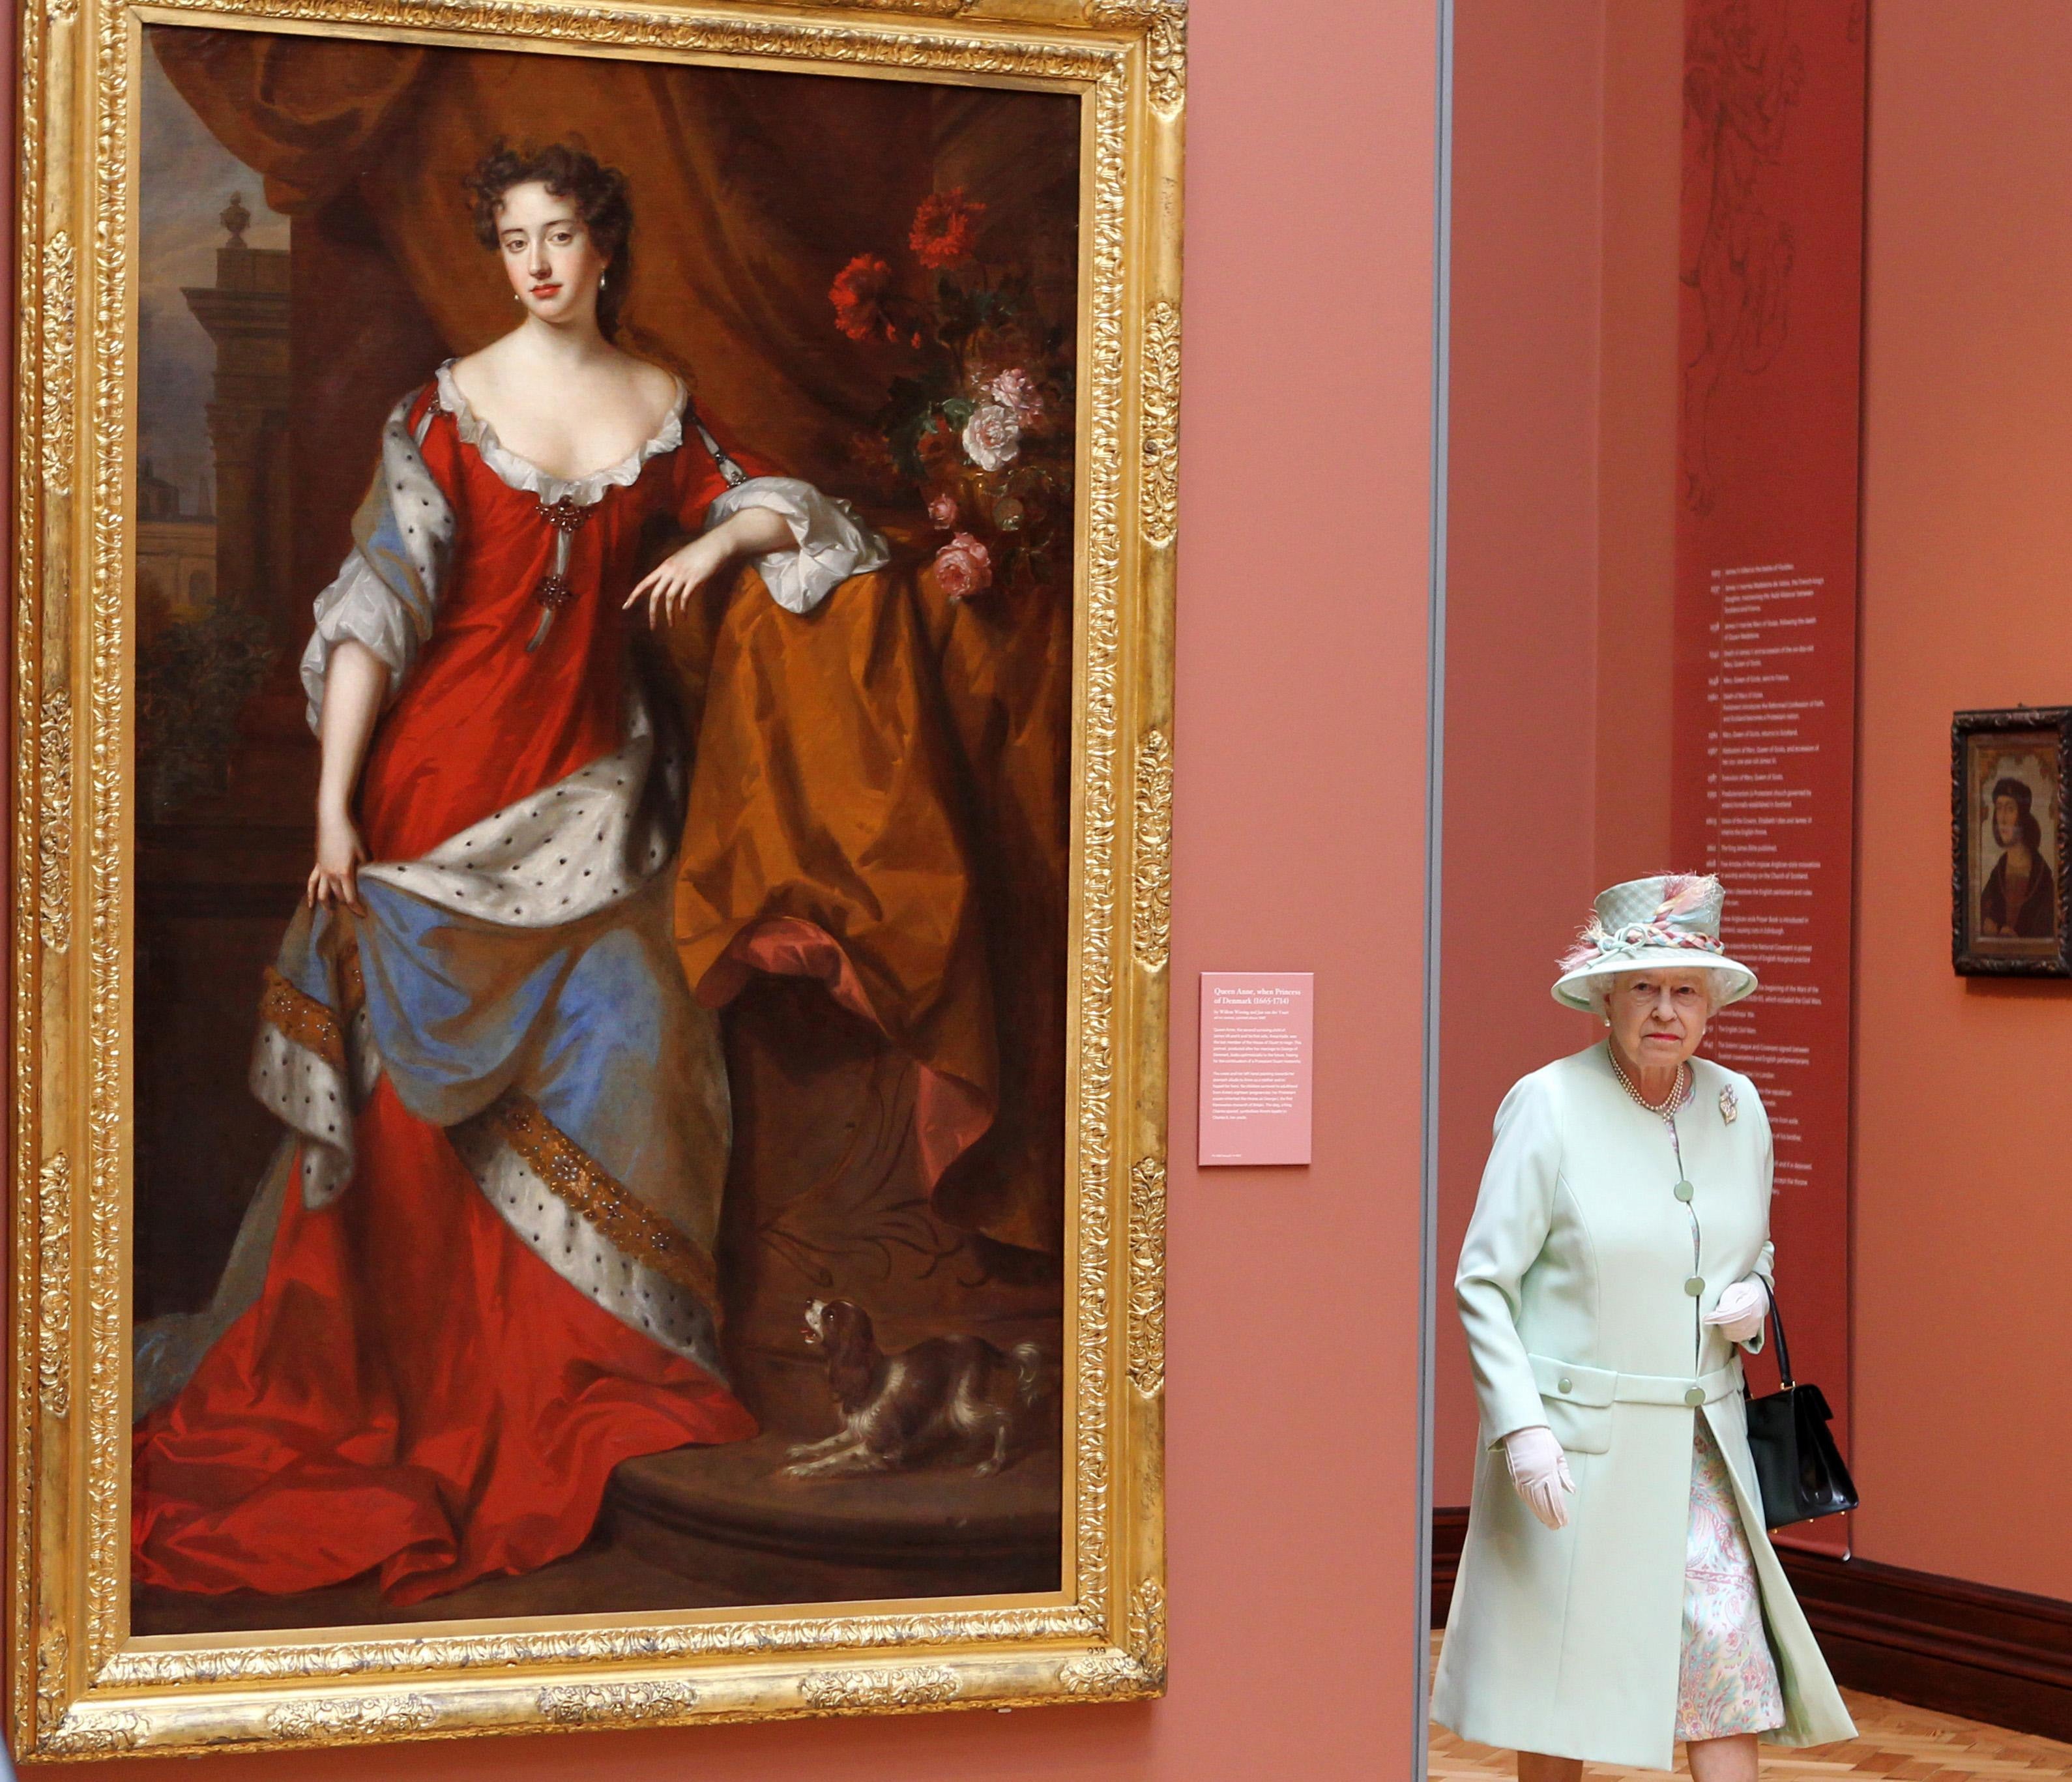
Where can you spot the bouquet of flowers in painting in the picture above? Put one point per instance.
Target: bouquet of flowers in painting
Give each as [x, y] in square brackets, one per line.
[977, 421]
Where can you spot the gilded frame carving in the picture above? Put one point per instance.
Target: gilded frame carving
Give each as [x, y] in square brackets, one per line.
[77, 1684]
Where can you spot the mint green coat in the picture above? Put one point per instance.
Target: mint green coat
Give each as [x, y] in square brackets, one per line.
[1575, 1287]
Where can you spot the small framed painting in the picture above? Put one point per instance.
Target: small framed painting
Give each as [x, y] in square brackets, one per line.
[2009, 910]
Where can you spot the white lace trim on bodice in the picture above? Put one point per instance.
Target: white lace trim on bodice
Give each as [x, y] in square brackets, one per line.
[522, 474]
[391, 609]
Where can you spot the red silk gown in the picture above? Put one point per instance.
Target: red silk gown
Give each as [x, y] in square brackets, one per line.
[415, 1392]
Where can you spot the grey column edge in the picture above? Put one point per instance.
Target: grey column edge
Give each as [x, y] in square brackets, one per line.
[1434, 812]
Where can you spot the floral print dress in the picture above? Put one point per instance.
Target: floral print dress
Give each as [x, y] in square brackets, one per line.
[1727, 1682]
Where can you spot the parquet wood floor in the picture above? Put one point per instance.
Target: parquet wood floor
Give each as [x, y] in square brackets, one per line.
[1893, 1743]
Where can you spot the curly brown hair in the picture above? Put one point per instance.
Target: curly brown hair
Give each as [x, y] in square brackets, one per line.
[567, 171]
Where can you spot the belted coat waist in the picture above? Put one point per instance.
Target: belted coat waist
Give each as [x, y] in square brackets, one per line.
[1594, 1386]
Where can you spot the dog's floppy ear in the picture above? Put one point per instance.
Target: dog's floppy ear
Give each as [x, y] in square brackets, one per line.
[847, 1325]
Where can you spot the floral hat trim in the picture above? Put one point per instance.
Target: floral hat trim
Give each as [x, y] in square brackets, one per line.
[1683, 895]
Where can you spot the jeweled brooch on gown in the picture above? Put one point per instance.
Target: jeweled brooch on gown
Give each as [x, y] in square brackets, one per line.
[554, 591]
[1727, 1109]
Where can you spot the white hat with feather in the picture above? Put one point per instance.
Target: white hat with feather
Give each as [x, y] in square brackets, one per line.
[1668, 923]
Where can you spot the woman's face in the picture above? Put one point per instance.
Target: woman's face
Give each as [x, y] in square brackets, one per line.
[1658, 1017]
[2006, 821]
[548, 254]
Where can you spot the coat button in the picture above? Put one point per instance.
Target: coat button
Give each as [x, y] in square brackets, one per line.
[1695, 1396]
[1684, 1190]
[1695, 1285]
[1565, 1383]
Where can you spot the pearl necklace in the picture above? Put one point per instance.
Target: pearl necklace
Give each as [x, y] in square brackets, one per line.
[1677, 1097]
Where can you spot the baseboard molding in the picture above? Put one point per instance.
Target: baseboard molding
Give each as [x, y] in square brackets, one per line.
[2001, 1656]
[1449, 1528]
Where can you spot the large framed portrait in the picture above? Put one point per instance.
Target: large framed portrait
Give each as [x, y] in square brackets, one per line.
[592, 779]
[2011, 913]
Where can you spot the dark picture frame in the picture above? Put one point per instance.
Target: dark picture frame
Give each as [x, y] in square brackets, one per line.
[2010, 772]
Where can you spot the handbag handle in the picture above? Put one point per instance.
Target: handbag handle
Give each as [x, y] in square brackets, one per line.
[1783, 1347]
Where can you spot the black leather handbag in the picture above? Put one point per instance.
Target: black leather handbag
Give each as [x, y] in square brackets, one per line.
[1798, 1467]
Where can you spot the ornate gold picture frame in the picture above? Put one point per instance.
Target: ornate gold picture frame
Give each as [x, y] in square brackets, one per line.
[83, 1677]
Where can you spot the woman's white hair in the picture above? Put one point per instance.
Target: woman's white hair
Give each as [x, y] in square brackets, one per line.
[1599, 989]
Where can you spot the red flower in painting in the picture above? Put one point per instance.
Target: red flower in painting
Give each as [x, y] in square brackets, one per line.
[872, 458]
[858, 295]
[938, 443]
[945, 228]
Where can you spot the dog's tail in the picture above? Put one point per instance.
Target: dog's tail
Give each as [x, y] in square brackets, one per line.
[1028, 1360]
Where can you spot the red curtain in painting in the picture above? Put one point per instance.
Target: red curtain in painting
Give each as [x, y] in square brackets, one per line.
[892, 774]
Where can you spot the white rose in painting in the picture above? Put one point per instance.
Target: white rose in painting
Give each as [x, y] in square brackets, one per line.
[993, 436]
[1017, 389]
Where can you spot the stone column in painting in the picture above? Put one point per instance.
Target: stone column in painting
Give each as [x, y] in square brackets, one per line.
[245, 312]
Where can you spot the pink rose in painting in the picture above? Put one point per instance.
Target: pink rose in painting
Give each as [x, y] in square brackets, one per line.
[1015, 389]
[993, 436]
[943, 509]
[963, 566]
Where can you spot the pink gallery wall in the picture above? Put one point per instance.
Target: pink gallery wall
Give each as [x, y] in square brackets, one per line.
[1293, 1294]
[1962, 1222]
[1561, 547]
[1637, 396]
[1521, 594]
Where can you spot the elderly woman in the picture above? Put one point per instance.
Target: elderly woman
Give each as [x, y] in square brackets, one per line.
[1617, 1591]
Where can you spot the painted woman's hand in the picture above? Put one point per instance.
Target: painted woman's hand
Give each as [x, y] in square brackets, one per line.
[667, 588]
[1539, 1469]
[334, 881]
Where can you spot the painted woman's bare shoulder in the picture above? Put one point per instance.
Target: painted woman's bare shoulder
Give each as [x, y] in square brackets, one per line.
[654, 387]
[480, 373]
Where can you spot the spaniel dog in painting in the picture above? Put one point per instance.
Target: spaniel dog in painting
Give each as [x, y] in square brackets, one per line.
[957, 1392]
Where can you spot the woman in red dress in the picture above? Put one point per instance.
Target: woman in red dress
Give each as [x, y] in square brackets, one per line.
[479, 1274]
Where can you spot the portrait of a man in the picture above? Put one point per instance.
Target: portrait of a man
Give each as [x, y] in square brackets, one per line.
[2008, 812]
[2020, 894]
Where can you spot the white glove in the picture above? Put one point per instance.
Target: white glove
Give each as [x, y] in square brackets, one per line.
[1539, 1469]
[1738, 1317]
